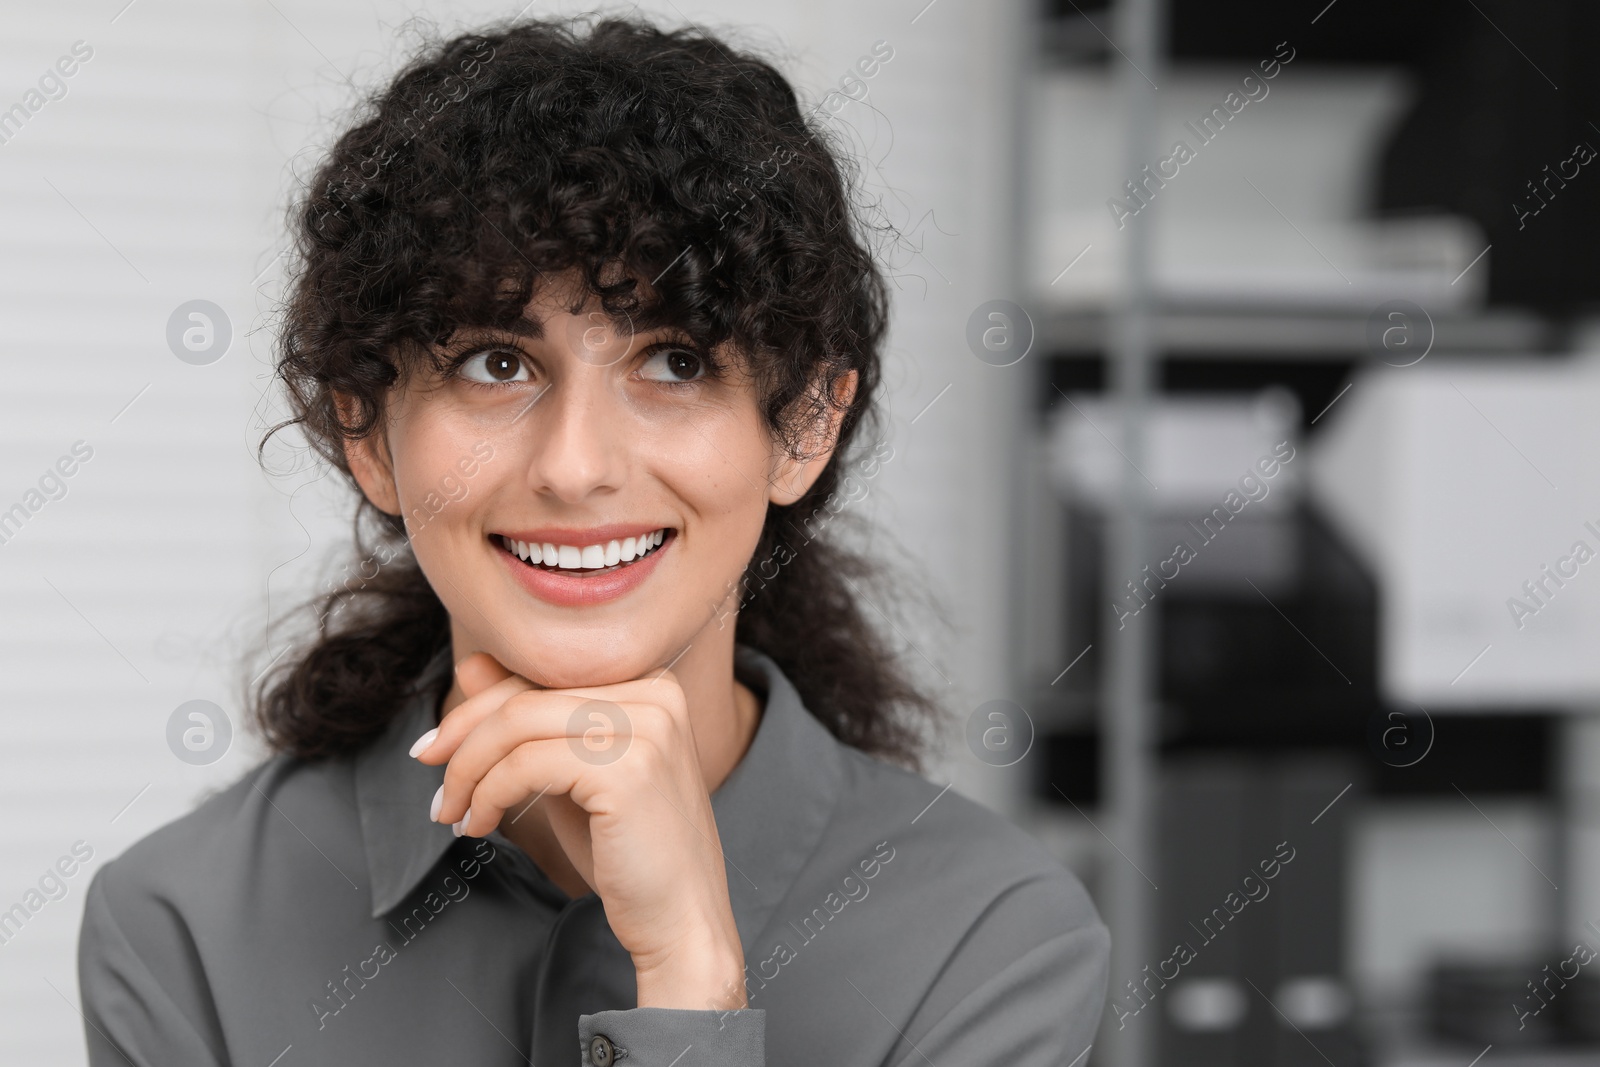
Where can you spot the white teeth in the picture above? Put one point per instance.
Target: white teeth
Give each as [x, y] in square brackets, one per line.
[586, 557]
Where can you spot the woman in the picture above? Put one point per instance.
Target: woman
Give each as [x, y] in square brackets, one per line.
[593, 758]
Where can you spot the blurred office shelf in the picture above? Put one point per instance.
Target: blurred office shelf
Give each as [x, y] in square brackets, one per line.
[1252, 332]
[1267, 653]
[1246, 772]
[1276, 250]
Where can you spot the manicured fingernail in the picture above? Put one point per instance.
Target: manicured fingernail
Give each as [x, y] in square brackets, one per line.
[438, 800]
[461, 827]
[420, 744]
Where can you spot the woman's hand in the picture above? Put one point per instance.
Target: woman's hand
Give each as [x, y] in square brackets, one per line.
[628, 805]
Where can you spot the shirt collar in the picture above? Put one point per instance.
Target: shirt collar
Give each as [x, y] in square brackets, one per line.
[770, 811]
[394, 792]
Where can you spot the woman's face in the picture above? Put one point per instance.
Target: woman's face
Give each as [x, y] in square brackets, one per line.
[580, 438]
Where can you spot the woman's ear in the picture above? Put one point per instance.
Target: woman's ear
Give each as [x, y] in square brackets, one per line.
[793, 477]
[369, 460]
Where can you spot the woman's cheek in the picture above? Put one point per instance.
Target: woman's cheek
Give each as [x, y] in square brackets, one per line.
[715, 445]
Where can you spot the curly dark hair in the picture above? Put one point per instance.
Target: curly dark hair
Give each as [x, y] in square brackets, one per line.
[679, 180]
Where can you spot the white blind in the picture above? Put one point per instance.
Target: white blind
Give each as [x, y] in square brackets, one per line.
[150, 177]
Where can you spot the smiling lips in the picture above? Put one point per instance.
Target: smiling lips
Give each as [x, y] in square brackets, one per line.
[575, 568]
[597, 557]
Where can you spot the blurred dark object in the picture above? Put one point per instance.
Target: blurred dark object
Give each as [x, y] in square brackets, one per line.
[1581, 1019]
[1503, 754]
[1476, 1003]
[1234, 672]
[1071, 763]
[1349, 31]
[1505, 95]
[1496, 1003]
[1315, 380]
[1252, 879]
[1240, 672]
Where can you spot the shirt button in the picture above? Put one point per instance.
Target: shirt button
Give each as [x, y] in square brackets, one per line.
[601, 1052]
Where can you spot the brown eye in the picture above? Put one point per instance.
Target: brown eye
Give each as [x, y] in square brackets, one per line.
[494, 366]
[674, 366]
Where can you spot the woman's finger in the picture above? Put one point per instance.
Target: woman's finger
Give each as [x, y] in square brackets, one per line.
[438, 744]
[660, 688]
[479, 671]
[593, 731]
[546, 766]
[570, 823]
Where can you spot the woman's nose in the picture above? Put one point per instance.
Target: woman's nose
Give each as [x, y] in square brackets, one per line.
[579, 438]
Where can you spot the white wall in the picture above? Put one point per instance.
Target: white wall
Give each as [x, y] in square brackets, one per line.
[160, 178]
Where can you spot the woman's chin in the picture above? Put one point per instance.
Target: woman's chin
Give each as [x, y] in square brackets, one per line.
[579, 670]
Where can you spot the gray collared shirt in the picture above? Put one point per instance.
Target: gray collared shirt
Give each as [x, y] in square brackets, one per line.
[311, 913]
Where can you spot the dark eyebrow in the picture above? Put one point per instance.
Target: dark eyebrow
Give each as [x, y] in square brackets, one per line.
[522, 326]
[643, 324]
[474, 332]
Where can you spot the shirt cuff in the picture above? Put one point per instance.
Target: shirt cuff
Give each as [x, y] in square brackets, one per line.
[657, 1037]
